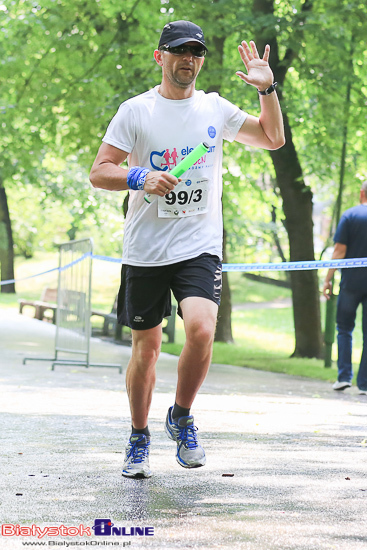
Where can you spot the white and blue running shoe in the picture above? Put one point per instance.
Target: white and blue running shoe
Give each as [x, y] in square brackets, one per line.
[136, 462]
[190, 453]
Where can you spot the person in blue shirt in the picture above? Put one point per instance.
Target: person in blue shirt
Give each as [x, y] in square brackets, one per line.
[351, 242]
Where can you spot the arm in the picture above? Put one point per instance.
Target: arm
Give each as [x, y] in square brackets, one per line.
[267, 131]
[339, 253]
[106, 173]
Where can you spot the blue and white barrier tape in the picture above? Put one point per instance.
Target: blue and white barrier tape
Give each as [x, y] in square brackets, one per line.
[9, 281]
[297, 266]
[107, 259]
[283, 266]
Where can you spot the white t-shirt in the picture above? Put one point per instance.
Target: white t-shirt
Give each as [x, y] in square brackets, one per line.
[158, 133]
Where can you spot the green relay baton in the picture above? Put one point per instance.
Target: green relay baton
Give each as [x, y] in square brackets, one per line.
[186, 163]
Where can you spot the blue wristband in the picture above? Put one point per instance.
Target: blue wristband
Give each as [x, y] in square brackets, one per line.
[136, 177]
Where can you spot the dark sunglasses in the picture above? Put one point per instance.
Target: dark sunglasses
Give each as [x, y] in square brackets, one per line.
[196, 51]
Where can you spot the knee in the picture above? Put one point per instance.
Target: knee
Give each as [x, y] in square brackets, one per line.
[344, 329]
[201, 334]
[147, 356]
[146, 351]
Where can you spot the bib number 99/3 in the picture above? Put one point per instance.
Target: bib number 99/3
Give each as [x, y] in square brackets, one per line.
[184, 197]
[189, 198]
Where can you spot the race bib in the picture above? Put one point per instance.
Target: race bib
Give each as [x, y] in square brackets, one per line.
[189, 198]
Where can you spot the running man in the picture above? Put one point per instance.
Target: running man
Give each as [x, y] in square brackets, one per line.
[180, 248]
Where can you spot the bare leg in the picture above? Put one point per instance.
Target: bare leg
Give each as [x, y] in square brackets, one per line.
[140, 374]
[200, 317]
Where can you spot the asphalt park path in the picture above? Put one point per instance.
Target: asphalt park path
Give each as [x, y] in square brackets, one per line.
[296, 449]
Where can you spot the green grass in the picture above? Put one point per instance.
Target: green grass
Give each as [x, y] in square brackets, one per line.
[264, 338]
[105, 283]
[243, 290]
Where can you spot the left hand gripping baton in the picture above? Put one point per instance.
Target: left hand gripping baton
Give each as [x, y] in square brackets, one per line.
[186, 163]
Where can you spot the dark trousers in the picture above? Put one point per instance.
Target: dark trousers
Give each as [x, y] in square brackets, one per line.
[348, 303]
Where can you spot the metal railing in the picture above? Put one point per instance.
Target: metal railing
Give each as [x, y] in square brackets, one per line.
[73, 328]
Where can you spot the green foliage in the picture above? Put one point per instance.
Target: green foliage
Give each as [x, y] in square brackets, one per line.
[67, 65]
[42, 219]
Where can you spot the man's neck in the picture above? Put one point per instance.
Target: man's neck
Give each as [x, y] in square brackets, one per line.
[172, 92]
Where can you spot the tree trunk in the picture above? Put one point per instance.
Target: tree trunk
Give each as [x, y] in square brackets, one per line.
[275, 234]
[6, 244]
[297, 205]
[223, 332]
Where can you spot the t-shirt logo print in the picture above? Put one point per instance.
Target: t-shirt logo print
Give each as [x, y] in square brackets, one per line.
[169, 158]
[212, 132]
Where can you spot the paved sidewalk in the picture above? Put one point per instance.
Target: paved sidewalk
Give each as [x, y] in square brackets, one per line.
[296, 449]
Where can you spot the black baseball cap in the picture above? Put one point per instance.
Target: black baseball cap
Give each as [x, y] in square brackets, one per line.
[179, 32]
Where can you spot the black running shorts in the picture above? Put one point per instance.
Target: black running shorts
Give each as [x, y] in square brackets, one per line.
[144, 297]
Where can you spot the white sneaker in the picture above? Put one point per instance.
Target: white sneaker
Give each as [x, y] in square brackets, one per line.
[339, 386]
[362, 392]
[136, 462]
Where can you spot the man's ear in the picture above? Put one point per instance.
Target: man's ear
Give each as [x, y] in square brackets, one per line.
[158, 57]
